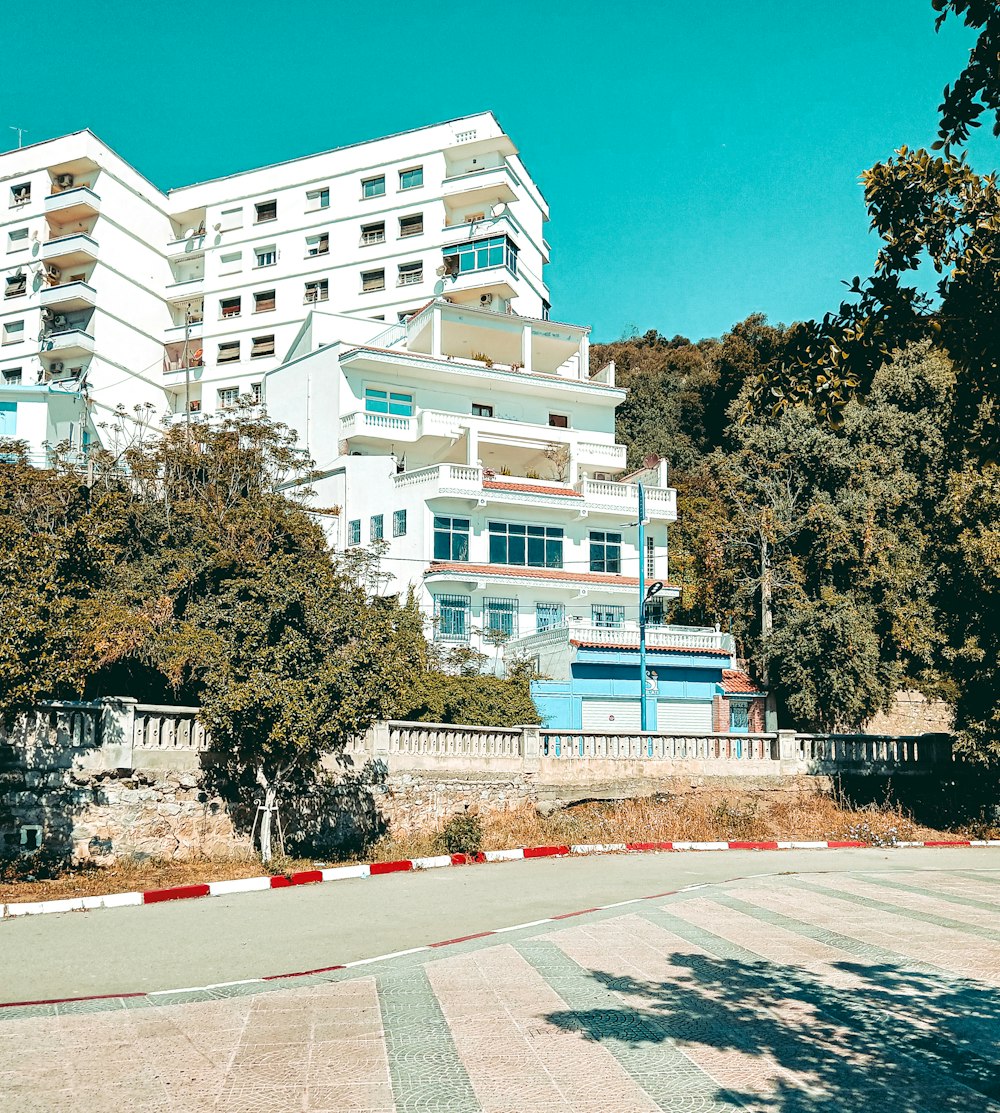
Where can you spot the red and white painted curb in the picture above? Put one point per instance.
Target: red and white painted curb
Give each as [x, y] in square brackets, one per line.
[374, 869]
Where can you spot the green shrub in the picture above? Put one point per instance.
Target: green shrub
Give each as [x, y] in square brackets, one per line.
[462, 834]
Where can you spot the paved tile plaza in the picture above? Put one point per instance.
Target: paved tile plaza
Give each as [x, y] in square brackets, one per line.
[814, 993]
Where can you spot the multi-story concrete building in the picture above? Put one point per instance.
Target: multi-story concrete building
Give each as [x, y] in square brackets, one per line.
[130, 296]
[387, 301]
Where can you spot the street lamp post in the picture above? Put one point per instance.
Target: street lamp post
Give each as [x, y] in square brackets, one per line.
[644, 596]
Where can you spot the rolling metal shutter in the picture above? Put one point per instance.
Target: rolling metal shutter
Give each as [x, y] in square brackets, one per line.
[611, 714]
[694, 717]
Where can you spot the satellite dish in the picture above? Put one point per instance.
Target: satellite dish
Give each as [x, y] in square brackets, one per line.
[498, 210]
[217, 227]
[441, 272]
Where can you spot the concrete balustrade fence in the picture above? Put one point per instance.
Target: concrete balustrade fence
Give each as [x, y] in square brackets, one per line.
[119, 733]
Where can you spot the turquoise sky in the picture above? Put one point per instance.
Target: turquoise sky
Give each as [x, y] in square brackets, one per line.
[701, 160]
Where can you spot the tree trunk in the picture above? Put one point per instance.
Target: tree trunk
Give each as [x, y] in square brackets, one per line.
[766, 626]
[270, 800]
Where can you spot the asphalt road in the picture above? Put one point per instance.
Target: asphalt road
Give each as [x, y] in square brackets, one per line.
[249, 935]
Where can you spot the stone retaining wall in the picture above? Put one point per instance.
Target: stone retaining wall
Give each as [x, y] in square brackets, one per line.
[118, 779]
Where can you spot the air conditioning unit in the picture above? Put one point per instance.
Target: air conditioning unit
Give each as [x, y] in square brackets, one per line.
[64, 181]
[485, 300]
[56, 368]
[604, 476]
[52, 271]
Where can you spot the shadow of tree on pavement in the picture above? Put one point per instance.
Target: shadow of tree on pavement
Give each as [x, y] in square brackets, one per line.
[872, 1037]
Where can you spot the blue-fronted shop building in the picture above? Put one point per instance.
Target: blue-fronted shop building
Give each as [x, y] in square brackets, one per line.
[692, 683]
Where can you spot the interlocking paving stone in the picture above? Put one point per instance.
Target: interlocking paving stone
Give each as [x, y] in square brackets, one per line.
[425, 1068]
[639, 1041]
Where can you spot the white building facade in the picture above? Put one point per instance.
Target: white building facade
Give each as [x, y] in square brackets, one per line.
[180, 301]
[478, 447]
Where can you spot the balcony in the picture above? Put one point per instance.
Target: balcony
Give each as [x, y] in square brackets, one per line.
[586, 634]
[67, 251]
[364, 426]
[186, 287]
[471, 483]
[602, 456]
[189, 247]
[177, 332]
[486, 186]
[68, 296]
[69, 344]
[80, 203]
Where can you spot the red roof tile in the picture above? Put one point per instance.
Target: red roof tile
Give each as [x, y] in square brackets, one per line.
[532, 573]
[736, 682]
[534, 488]
[650, 648]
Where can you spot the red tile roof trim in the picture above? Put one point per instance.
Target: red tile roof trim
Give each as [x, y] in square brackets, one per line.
[736, 682]
[533, 488]
[580, 644]
[519, 572]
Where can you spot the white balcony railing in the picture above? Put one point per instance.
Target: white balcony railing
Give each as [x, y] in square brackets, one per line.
[601, 455]
[76, 246]
[69, 342]
[80, 201]
[68, 295]
[193, 245]
[657, 637]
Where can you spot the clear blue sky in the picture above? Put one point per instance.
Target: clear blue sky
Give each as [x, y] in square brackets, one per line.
[701, 161]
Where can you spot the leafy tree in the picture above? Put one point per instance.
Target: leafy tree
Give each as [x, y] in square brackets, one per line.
[977, 89]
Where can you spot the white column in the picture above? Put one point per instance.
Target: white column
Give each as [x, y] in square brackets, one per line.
[526, 347]
[472, 447]
[436, 331]
[585, 358]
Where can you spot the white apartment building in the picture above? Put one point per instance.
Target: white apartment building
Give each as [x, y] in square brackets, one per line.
[125, 295]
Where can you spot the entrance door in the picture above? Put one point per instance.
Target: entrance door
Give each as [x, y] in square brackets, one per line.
[611, 714]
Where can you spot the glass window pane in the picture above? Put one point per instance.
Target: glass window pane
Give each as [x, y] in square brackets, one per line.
[460, 546]
[498, 549]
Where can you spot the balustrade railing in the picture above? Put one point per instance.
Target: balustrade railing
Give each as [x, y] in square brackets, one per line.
[168, 728]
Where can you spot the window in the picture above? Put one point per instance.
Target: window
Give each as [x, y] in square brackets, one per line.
[546, 310]
[231, 219]
[650, 556]
[229, 352]
[354, 532]
[605, 551]
[16, 286]
[410, 274]
[477, 255]
[266, 210]
[262, 346]
[480, 409]
[373, 187]
[376, 527]
[388, 402]
[411, 225]
[231, 262]
[17, 239]
[603, 615]
[372, 280]
[739, 716]
[263, 301]
[228, 396]
[533, 546]
[266, 256]
[451, 538]
[452, 614]
[8, 420]
[318, 245]
[317, 199]
[317, 290]
[558, 421]
[655, 615]
[411, 179]
[399, 523]
[11, 376]
[372, 233]
[20, 194]
[229, 307]
[257, 393]
[500, 615]
[549, 615]
[13, 332]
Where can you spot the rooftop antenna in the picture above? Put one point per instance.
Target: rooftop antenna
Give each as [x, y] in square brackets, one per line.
[20, 135]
